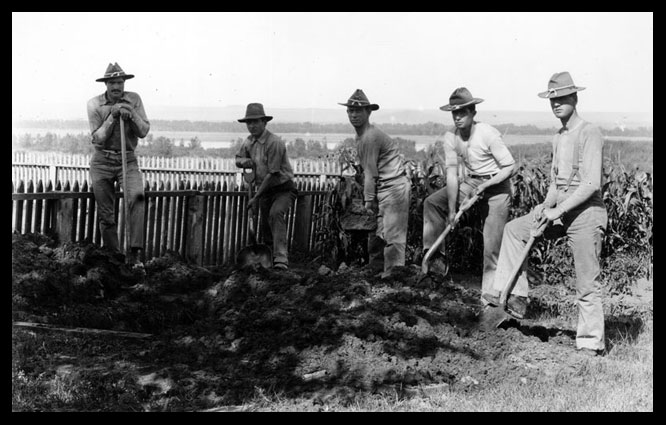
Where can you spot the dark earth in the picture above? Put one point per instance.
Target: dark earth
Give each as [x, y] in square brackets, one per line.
[218, 336]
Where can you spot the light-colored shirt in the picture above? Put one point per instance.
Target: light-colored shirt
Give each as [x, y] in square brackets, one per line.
[380, 158]
[590, 158]
[484, 153]
[269, 154]
[106, 130]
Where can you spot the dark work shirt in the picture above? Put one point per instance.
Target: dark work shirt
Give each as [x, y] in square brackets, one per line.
[106, 130]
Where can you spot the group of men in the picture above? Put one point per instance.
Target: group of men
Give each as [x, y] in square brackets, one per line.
[477, 162]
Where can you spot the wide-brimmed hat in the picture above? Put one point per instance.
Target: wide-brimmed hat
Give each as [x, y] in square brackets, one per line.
[360, 100]
[560, 84]
[460, 98]
[255, 111]
[114, 71]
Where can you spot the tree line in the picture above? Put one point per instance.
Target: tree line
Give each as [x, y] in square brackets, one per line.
[423, 129]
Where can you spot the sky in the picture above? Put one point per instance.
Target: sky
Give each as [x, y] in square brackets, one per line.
[401, 60]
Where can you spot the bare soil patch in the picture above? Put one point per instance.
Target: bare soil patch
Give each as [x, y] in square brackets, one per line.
[219, 336]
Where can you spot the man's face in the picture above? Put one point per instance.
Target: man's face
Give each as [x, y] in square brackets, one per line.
[563, 106]
[256, 127]
[358, 116]
[115, 88]
[463, 118]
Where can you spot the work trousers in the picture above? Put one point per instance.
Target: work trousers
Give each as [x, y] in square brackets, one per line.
[105, 169]
[494, 208]
[386, 247]
[273, 208]
[584, 227]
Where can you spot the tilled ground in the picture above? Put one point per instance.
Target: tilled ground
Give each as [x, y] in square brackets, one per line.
[220, 336]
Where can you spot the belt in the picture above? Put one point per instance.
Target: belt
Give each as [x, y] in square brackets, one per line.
[484, 177]
[391, 178]
[111, 151]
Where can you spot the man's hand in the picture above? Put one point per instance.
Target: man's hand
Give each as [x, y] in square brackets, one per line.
[538, 212]
[125, 113]
[115, 109]
[370, 207]
[552, 214]
[244, 162]
[252, 204]
[452, 217]
[478, 190]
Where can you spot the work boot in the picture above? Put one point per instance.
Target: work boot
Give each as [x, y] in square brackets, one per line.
[492, 300]
[589, 352]
[134, 259]
[280, 266]
[516, 306]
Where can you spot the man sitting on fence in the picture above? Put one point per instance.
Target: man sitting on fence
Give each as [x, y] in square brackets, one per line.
[104, 114]
[266, 153]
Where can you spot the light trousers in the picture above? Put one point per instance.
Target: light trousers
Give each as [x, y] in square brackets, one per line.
[584, 227]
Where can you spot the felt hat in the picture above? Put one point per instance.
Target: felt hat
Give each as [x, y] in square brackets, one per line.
[359, 99]
[560, 84]
[255, 111]
[114, 71]
[460, 98]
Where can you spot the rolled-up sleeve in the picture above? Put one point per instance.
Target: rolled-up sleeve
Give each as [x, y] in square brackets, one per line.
[101, 127]
[140, 123]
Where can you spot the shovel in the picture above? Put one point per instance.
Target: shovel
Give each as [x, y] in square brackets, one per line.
[464, 206]
[254, 255]
[123, 152]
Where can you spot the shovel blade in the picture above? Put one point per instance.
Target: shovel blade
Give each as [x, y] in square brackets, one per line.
[257, 255]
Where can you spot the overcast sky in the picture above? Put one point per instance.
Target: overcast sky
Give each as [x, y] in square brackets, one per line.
[402, 60]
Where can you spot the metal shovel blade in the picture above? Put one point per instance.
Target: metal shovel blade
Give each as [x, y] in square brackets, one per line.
[255, 255]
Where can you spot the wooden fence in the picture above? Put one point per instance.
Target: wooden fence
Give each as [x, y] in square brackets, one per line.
[205, 223]
[60, 167]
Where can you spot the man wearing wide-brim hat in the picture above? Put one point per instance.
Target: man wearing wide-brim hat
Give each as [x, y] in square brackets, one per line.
[266, 154]
[574, 207]
[477, 162]
[386, 188]
[104, 114]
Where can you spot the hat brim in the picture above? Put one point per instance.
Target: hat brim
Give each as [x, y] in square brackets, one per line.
[559, 93]
[450, 108]
[124, 77]
[255, 117]
[372, 106]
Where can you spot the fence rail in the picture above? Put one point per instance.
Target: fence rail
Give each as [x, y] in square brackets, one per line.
[60, 167]
[204, 222]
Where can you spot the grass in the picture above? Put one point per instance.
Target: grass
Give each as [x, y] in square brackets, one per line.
[621, 381]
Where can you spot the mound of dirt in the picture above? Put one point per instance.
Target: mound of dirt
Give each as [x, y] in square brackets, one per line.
[219, 334]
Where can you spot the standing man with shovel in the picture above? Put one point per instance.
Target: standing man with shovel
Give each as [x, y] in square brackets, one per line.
[487, 167]
[575, 204]
[117, 120]
[386, 188]
[266, 154]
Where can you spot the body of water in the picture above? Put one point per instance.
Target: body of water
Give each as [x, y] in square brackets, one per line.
[211, 140]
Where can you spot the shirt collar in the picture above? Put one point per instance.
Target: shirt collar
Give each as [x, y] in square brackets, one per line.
[262, 138]
[570, 127]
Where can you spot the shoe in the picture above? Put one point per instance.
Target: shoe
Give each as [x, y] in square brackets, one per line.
[516, 306]
[280, 266]
[492, 300]
[589, 352]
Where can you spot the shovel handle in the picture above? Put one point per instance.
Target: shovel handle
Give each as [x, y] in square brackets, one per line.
[464, 206]
[123, 151]
[535, 232]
